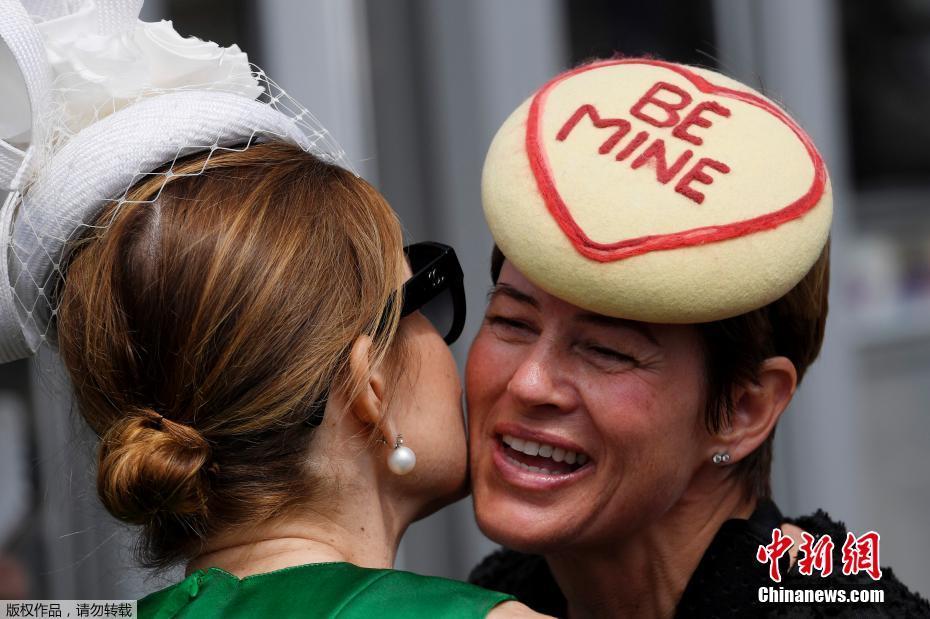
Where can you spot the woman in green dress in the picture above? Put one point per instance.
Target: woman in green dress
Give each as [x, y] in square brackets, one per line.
[242, 327]
[274, 407]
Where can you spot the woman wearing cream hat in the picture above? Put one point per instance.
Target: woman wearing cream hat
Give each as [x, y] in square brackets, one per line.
[660, 289]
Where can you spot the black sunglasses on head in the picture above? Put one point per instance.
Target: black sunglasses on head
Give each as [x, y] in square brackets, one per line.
[436, 288]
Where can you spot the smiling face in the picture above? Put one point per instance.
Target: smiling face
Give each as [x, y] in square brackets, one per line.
[582, 427]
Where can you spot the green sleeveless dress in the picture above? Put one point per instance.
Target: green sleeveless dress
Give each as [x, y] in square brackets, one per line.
[321, 590]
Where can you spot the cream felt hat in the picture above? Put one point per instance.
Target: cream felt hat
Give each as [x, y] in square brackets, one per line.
[654, 191]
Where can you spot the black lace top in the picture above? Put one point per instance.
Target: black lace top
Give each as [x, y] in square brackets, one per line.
[727, 580]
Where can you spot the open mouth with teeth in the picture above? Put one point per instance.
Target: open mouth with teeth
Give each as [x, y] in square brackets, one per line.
[540, 457]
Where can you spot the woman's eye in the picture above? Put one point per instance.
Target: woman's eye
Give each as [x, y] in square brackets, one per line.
[611, 354]
[510, 324]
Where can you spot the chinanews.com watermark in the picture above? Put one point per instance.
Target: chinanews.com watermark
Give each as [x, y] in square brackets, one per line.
[75, 609]
[820, 596]
[815, 557]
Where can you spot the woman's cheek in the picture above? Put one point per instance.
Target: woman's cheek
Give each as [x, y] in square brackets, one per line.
[623, 403]
[483, 369]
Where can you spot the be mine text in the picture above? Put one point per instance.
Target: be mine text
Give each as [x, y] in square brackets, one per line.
[664, 106]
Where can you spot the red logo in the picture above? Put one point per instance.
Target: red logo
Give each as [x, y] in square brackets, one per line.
[771, 553]
[860, 554]
[817, 556]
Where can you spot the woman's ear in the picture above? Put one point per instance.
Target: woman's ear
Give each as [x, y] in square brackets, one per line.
[367, 401]
[757, 408]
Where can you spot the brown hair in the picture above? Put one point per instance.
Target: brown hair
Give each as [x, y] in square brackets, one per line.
[734, 349]
[207, 318]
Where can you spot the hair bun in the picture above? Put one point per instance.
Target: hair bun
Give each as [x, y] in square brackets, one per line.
[151, 466]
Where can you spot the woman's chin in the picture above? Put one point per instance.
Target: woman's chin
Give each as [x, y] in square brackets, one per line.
[523, 528]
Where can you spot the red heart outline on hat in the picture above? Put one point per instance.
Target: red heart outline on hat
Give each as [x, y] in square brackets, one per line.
[609, 252]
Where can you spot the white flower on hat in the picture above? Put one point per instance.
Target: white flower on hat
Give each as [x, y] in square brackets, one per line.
[94, 99]
[97, 74]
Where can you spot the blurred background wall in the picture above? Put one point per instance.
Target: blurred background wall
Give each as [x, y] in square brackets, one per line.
[414, 90]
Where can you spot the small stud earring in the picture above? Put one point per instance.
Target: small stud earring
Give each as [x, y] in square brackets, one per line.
[721, 458]
[402, 459]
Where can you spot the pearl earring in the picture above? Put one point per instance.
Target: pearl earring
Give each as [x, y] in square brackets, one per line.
[721, 458]
[402, 459]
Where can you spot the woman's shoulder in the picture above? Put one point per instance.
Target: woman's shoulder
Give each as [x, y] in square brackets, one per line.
[332, 590]
[730, 574]
[895, 599]
[416, 595]
[524, 576]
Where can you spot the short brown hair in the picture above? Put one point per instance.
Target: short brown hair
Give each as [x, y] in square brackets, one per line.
[734, 349]
[204, 321]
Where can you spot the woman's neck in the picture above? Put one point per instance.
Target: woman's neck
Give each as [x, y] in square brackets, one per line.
[646, 574]
[365, 532]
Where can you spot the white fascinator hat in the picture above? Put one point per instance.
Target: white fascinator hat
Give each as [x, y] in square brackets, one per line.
[94, 100]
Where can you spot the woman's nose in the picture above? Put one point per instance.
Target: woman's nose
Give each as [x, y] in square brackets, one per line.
[537, 382]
